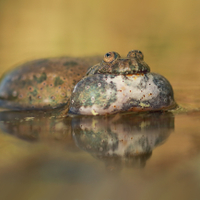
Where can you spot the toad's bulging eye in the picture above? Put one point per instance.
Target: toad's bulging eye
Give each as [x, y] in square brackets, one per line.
[135, 54]
[111, 56]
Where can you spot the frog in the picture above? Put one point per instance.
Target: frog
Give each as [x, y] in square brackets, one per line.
[121, 85]
[82, 87]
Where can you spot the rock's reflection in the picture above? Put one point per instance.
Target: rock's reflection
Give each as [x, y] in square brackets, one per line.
[126, 139]
[33, 126]
[122, 139]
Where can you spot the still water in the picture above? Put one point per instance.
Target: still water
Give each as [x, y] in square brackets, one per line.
[122, 156]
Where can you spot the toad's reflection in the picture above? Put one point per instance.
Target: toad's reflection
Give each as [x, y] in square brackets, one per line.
[125, 139]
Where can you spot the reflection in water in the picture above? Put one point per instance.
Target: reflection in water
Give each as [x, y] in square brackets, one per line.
[33, 126]
[122, 139]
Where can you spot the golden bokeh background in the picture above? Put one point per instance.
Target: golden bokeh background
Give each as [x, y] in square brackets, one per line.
[166, 31]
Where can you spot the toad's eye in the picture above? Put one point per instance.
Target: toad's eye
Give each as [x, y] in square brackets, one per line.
[111, 56]
[135, 54]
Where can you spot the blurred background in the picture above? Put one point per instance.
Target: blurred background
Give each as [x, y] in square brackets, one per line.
[167, 32]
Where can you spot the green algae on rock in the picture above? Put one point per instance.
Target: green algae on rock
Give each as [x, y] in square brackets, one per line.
[42, 84]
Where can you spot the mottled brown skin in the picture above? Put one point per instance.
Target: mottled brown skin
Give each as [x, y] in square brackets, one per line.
[114, 64]
[44, 83]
